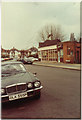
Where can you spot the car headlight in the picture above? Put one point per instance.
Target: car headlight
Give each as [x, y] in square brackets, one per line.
[2, 91]
[37, 84]
[30, 85]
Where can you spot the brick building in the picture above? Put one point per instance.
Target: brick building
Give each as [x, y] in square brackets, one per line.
[54, 50]
[72, 52]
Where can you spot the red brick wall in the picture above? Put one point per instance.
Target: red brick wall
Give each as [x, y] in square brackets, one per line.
[73, 47]
[78, 48]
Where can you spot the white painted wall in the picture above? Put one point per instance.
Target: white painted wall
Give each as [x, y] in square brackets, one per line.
[48, 47]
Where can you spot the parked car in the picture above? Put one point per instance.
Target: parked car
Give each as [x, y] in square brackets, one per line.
[18, 59]
[6, 59]
[26, 60]
[2, 59]
[33, 59]
[17, 82]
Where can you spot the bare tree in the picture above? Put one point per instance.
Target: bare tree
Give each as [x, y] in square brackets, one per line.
[51, 32]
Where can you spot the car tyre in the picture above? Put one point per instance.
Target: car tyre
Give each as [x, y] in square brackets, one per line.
[38, 96]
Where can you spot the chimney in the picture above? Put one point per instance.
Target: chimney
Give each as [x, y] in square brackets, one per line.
[72, 37]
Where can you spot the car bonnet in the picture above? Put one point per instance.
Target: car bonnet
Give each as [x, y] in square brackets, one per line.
[18, 78]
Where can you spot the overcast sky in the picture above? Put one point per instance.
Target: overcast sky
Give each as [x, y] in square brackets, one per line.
[21, 21]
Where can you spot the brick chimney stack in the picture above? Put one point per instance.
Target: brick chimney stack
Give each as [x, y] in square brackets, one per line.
[72, 38]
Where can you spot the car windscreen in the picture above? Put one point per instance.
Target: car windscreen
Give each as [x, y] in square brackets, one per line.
[12, 68]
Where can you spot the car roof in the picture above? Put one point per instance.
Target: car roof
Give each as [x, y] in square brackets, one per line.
[10, 62]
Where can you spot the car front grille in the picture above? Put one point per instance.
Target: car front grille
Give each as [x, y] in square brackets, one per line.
[16, 88]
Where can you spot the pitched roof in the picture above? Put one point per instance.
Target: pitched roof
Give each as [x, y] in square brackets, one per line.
[48, 43]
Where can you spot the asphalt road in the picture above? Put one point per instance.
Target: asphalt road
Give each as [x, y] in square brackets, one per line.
[60, 96]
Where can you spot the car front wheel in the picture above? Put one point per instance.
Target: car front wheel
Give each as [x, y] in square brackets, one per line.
[38, 95]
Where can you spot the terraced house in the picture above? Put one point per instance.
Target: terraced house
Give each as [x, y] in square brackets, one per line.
[57, 51]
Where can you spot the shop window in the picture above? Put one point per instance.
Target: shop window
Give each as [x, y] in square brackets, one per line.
[55, 51]
[61, 53]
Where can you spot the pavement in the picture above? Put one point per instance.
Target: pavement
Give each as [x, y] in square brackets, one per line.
[53, 64]
[59, 65]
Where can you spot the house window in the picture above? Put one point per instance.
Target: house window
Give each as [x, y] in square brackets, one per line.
[68, 50]
[72, 52]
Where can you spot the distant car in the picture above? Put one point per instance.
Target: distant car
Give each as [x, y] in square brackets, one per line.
[2, 59]
[6, 59]
[18, 59]
[33, 59]
[26, 60]
[17, 83]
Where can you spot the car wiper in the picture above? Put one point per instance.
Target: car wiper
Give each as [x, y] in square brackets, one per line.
[5, 75]
[12, 72]
[19, 71]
